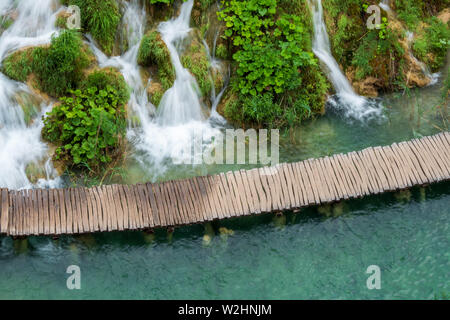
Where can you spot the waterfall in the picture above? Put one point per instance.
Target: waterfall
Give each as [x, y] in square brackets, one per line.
[161, 136]
[20, 143]
[433, 77]
[385, 5]
[180, 104]
[353, 105]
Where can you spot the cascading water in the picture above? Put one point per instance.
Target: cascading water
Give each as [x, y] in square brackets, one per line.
[433, 77]
[385, 5]
[162, 135]
[20, 143]
[346, 99]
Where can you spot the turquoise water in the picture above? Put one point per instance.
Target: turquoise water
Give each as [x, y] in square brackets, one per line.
[310, 256]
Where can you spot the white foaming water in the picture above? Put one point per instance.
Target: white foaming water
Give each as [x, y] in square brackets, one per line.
[353, 105]
[20, 144]
[180, 104]
[162, 136]
[385, 5]
[434, 77]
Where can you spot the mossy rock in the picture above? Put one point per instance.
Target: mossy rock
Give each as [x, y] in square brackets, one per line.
[101, 78]
[19, 65]
[156, 92]
[153, 52]
[195, 59]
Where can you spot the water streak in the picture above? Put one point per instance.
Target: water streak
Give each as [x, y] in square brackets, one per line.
[20, 143]
[352, 105]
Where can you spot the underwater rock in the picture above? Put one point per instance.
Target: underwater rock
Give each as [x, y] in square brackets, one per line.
[403, 195]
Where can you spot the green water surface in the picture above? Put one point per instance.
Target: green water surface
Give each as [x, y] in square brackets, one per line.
[314, 254]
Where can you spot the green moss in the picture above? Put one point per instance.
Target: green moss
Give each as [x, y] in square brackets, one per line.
[432, 45]
[153, 52]
[101, 19]
[103, 78]
[60, 67]
[195, 59]
[19, 65]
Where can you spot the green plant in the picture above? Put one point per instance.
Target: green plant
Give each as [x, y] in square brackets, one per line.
[59, 67]
[196, 60]
[101, 19]
[88, 127]
[103, 78]
[272, 54]
[19, 65]
[153, 51]
[432, 46]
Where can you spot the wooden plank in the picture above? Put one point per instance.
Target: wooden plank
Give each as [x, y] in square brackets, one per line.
[153, 213]
[370, 168]
[4, 219]
[406, 165]
[162, 211]
[18, 214]
[193, 204]
[327, 181]
[74, 202]
[306, 182]
[173, 204]
[300, 184]
[424, 163]
[60, 211]
[285, 176]
[232, 206]
[182, 202]
[57, 211]
[52, 212]
[387, 167]
[339, 177]
[414, 165]
[84, 210]
[114, 214]
[123, 202]
[268, 205]
[382, 179]
[259, 190]
[243, 179]
[94, 211]
[69, 212]
[213, 191]
[356, 177]
[133, 216]
[104, 217]
[313, 180]
[402, 177]
[270, 174]
[443, 159]
[235, 193]
[196, 200]
[428, 155]
[12, 214]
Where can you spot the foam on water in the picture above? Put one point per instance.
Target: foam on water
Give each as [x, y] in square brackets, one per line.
[20, 143]
[345, 100]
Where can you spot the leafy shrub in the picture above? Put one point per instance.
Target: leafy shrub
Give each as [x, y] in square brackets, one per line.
[101, 19]
[88, 127]
[59, 67]
[153, 51]
[103, 78]
[273, 58]
[435, 40]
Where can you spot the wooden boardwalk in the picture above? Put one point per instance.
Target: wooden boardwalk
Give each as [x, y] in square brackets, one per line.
[233, 194]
